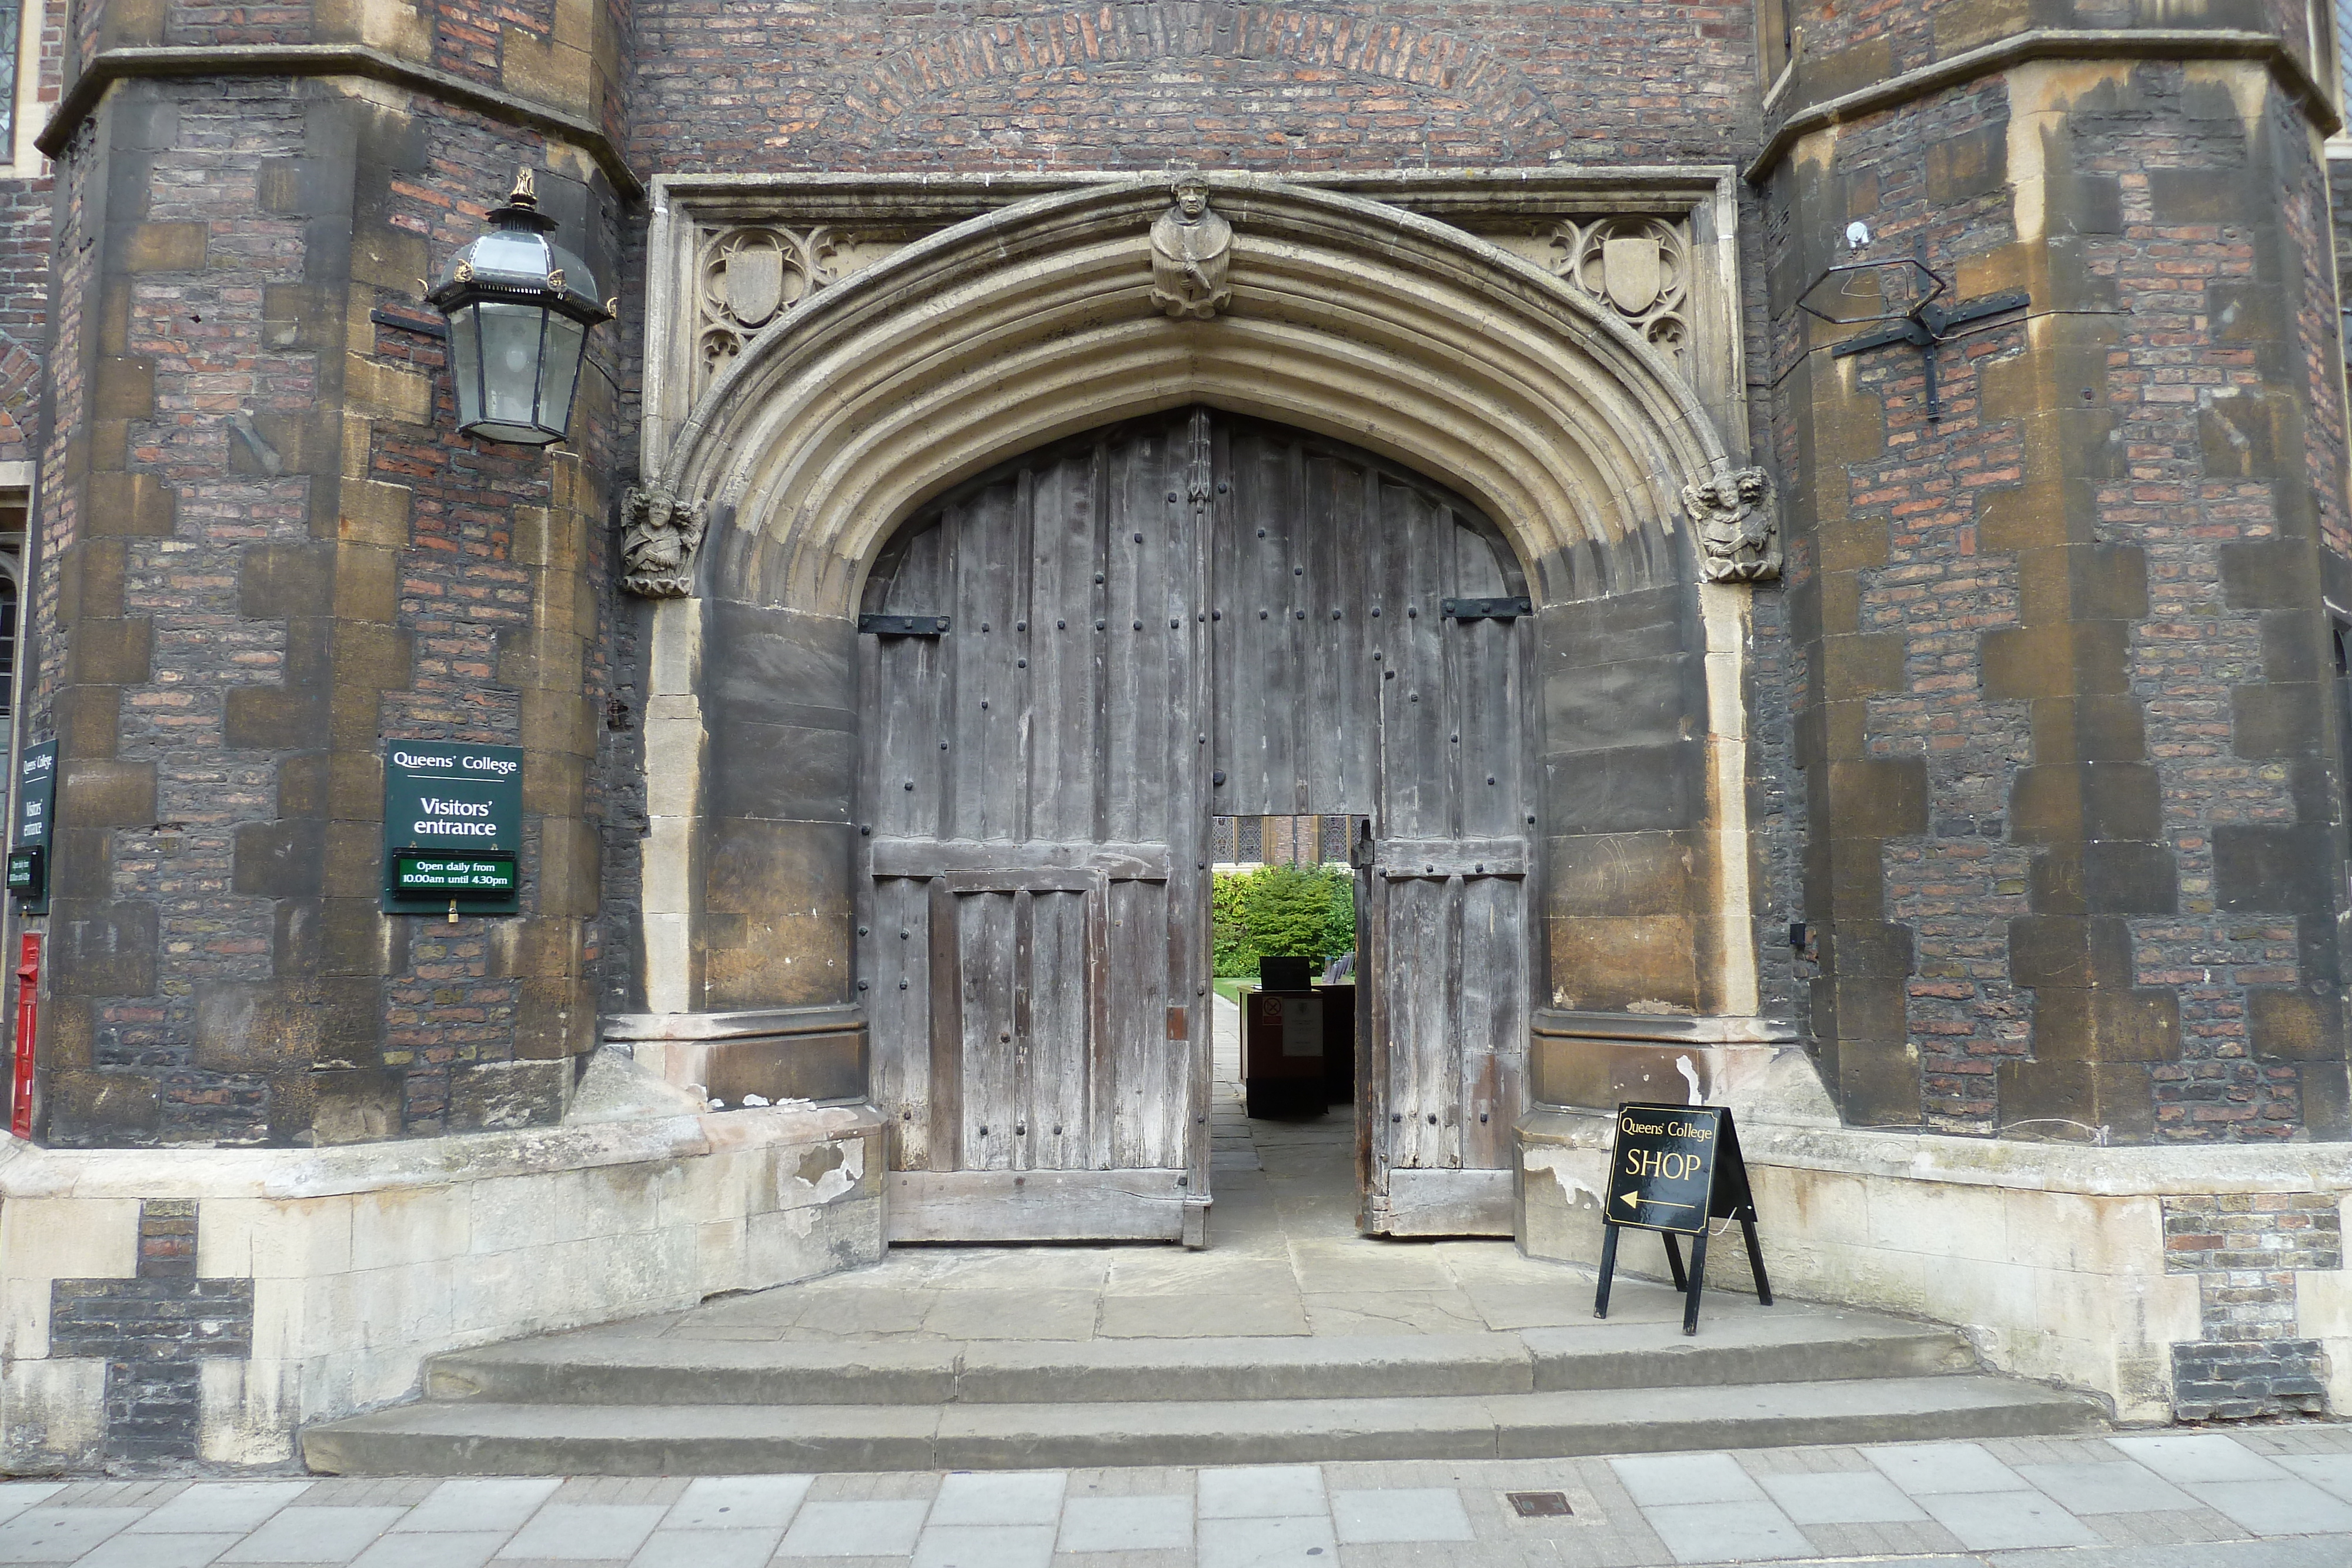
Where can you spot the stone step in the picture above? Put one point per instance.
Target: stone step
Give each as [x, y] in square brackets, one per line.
[439, 1438]
[594, 1367]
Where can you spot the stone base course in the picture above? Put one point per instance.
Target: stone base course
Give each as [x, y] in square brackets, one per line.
[2053, 1257]
[355, 1264]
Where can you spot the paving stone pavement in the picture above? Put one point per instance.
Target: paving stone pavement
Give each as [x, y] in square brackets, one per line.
[2271, 1497]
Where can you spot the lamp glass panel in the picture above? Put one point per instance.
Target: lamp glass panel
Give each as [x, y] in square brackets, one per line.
[465, 364]
[566, 340]
[511, 361]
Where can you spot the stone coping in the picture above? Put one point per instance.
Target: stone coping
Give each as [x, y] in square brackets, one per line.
[2140, 1171]
[29, 1171]
[756, 1024]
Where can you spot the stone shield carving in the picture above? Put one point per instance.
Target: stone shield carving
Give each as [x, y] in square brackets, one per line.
[659, 534]
[1737, 524]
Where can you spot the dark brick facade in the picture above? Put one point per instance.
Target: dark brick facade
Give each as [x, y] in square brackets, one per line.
[2043, 756]
[2074, 858]
[271, 556]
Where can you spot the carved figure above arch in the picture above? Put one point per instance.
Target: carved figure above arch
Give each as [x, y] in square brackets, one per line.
[1191, 255]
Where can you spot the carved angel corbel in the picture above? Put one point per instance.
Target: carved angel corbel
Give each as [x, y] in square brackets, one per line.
[659, 534]
[1737, 524]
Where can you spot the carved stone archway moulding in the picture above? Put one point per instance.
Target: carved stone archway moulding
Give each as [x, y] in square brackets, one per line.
[1637, 265]
[1496, 332]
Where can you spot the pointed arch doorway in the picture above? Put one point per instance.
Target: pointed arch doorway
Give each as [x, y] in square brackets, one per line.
[1077, 659]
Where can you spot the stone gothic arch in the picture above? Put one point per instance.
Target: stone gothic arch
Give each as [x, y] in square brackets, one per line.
[1349, 318]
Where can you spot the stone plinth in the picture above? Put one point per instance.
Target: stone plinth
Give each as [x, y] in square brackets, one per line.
[2177, 1283]
[269, 1288]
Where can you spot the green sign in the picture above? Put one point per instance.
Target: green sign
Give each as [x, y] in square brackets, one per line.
[27, 874]
[37, 797]
[432, 873]
[452, 827]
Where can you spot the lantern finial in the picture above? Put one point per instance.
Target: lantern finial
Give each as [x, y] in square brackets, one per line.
[525, 194]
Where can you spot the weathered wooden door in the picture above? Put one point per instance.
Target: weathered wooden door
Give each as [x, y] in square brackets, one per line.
[1372, 657]
[1034, 925]
[1073, 661]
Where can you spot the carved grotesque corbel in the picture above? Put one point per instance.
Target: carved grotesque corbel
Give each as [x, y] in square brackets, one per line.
[659, 534]
[1739, 525]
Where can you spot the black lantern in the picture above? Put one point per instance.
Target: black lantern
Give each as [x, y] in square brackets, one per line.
[519, 307]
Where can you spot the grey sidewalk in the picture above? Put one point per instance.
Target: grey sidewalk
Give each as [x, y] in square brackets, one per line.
[2264, 1498]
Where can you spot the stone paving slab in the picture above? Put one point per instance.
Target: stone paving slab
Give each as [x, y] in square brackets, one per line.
[2262, 1498]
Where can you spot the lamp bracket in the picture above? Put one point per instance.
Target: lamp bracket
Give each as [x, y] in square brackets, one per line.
[1922, 323]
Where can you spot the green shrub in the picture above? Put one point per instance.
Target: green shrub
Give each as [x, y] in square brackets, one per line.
[1280, 911]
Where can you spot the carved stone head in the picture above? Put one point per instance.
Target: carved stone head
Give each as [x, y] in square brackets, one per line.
[659, 534]
[1191, 193]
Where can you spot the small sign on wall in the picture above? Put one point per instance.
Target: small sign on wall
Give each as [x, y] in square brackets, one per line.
[452, 827]
[29, 845]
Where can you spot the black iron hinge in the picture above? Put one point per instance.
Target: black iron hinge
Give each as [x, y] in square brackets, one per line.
[903, 625]
[1507, 609]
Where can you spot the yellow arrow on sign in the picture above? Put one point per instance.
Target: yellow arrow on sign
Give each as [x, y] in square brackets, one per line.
[1629, 1199]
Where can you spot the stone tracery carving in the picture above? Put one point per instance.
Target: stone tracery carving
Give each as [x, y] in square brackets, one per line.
[1639, 268]
[1739, 525]
[1191, 254]
[659, 534]
[748, 276]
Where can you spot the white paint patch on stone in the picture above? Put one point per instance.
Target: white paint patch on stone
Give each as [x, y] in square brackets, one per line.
[1690, 1076]
[1569, 1168]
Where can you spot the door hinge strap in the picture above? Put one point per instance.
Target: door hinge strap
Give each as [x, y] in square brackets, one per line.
[1505, 608]
[903, 625]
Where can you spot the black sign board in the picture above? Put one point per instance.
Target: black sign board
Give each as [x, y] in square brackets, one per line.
[452, 827]
[37, 797]
[1673, 1168]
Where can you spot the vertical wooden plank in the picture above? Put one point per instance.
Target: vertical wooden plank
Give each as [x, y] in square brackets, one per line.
[1107, 1092]
[909, 932]
[987, 938]
[1289, 720]
[1060, 1040]
[946, 1141]
[1135, 516]
[1062, 641]
[1226, 566]
[1494, 1018]
[971, 688]
[1484, 697]
[1371, 1035]
[1184, 898]
[1020, 1065]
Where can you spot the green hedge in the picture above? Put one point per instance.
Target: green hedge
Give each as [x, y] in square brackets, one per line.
[1279, 911]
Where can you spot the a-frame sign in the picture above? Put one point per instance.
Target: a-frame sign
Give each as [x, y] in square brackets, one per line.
[1671, 1169]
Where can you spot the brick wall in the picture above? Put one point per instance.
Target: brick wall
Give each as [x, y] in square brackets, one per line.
[987, 84]
[2082, 787]
[289, 557]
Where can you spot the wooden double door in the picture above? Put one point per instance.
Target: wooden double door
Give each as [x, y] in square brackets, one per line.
[1072, 665]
